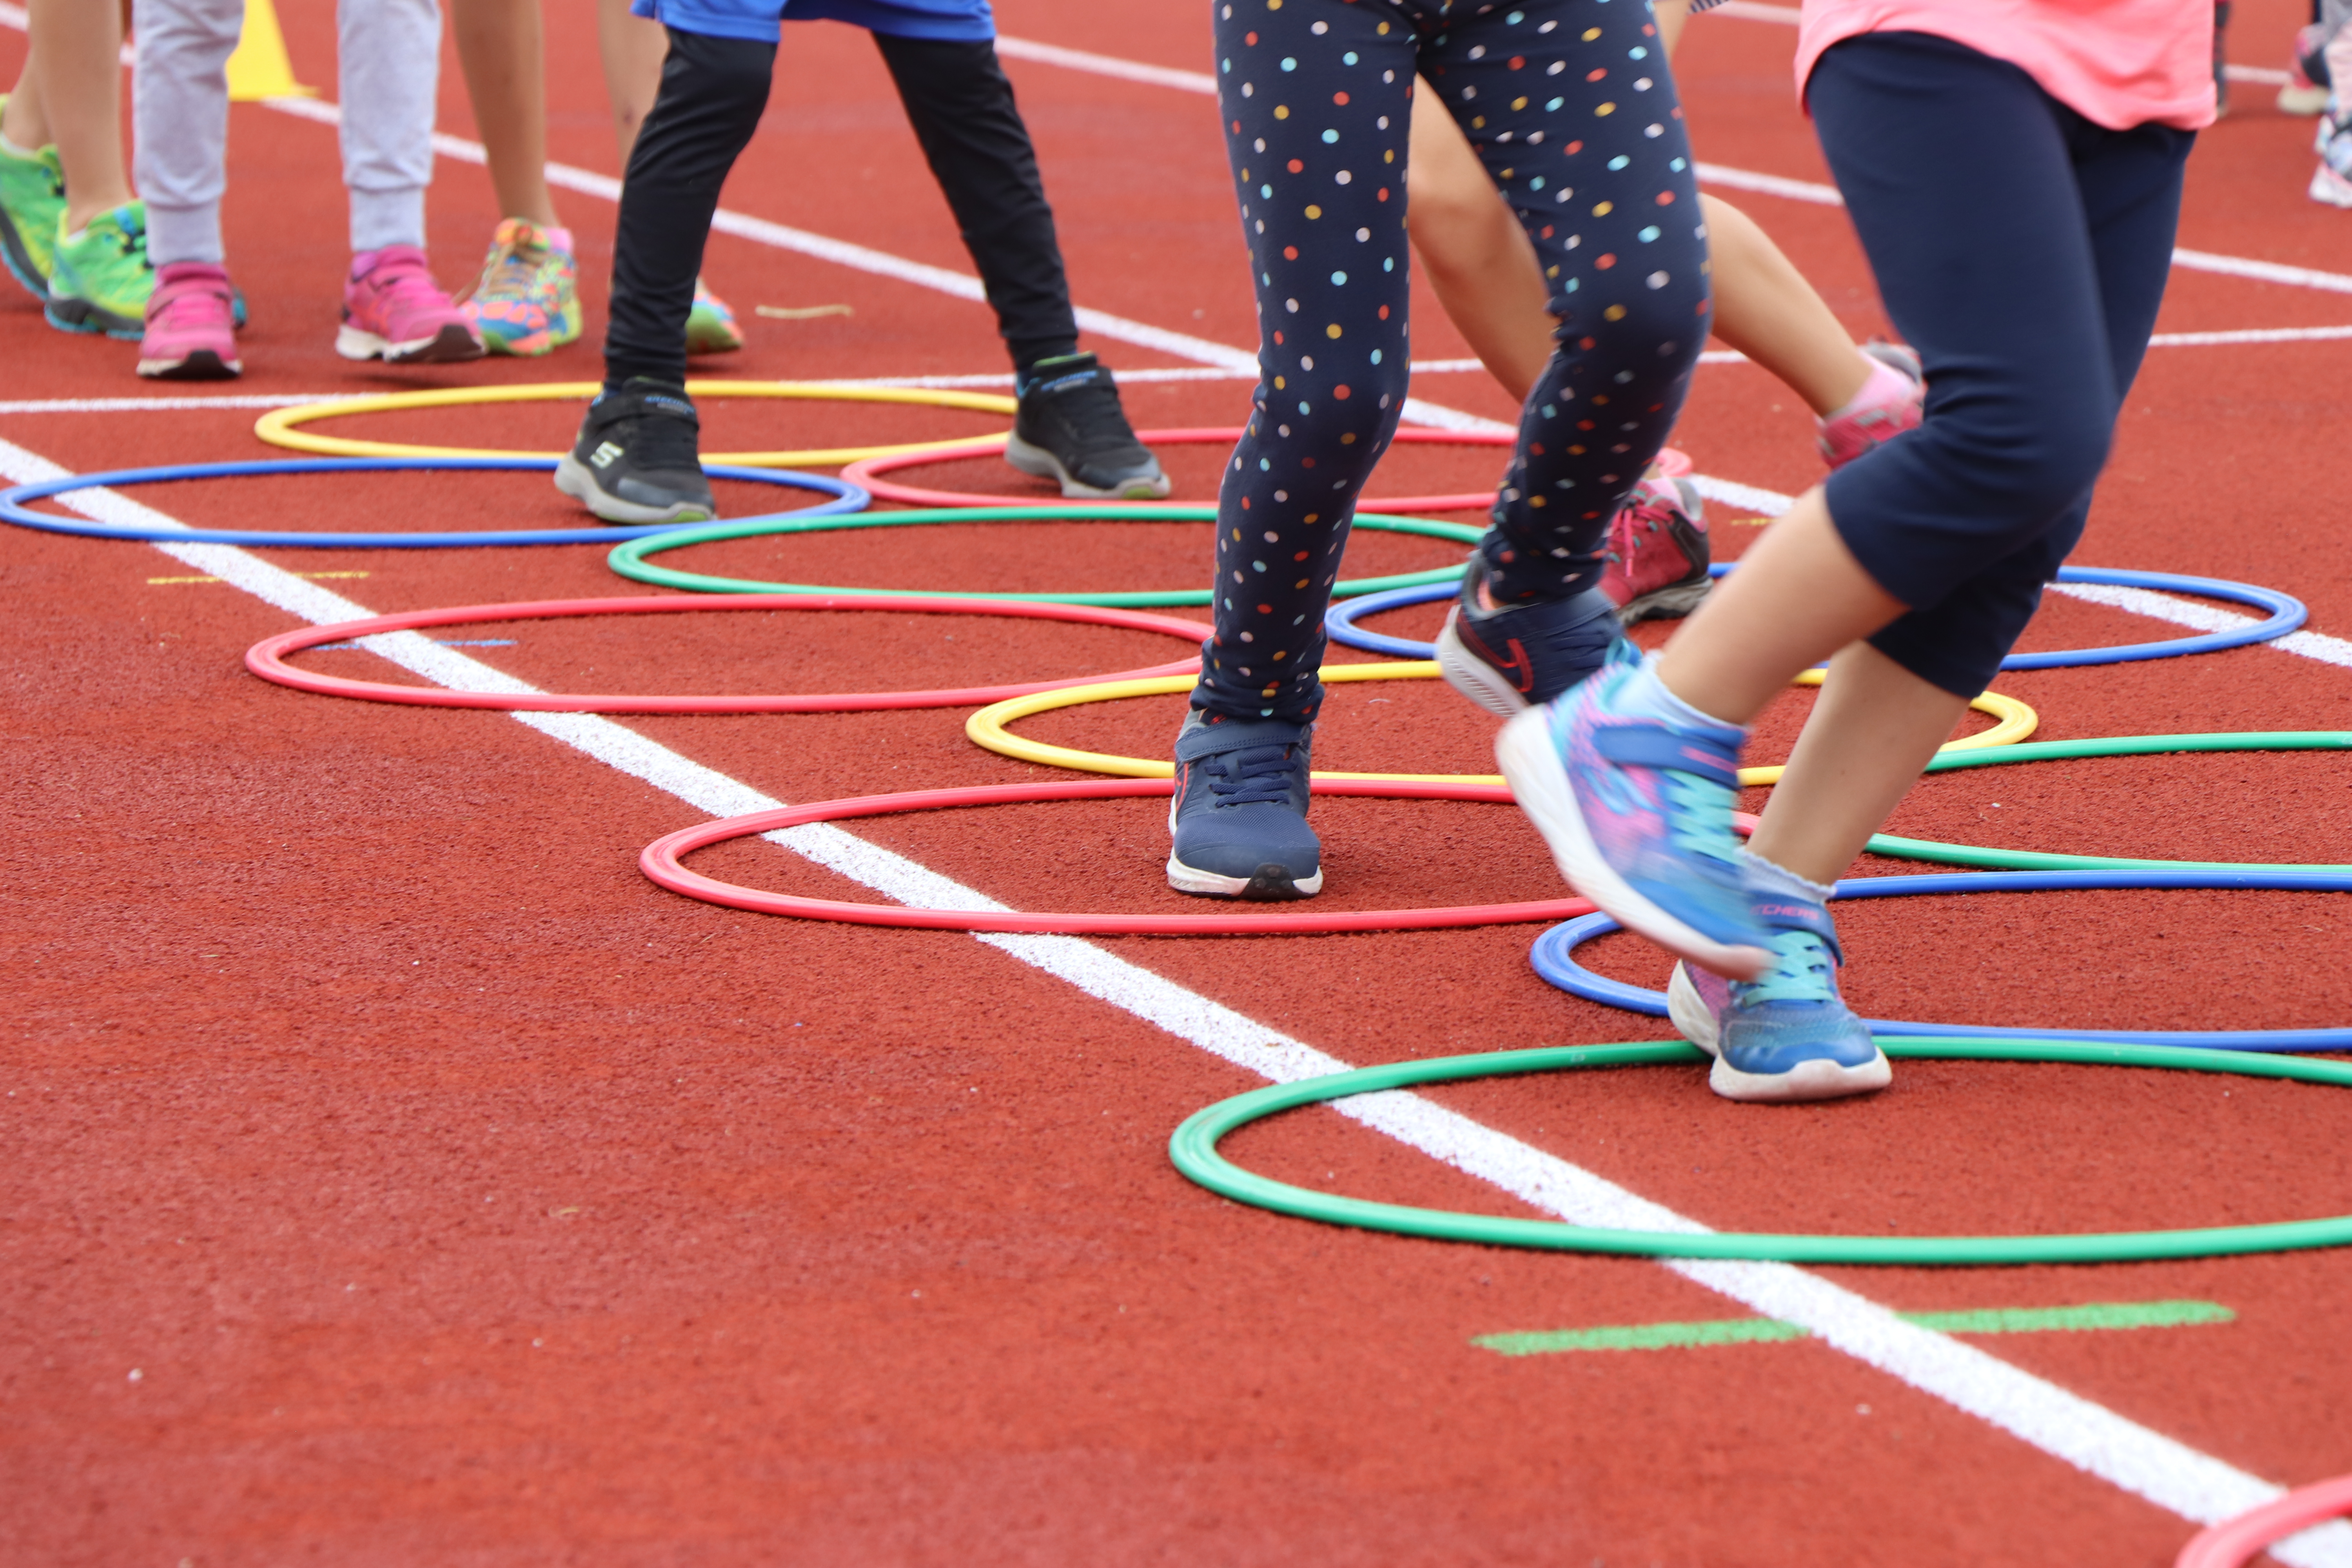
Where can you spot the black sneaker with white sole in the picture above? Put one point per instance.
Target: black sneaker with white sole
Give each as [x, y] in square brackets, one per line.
[637, 459]
[1071, 429]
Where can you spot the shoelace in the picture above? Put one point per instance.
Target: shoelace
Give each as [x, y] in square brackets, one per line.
[1805, 972]
[1254, 776]
[508, 274]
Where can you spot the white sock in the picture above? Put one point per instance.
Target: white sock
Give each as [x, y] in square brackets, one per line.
[22, 154]
[1779, 878]
[1646, 694]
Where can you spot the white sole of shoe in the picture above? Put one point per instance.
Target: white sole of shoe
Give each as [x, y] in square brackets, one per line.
[572, 478]
[1805, 1081]
[1473, 677]
[1260, 888]
[1688, 1013]
[1038, 463]
[1539, 783]
[453, 344]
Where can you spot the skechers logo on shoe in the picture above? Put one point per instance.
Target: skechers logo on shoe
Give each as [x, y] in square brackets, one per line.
[604, 456]
[1794, 911]
[670, 405]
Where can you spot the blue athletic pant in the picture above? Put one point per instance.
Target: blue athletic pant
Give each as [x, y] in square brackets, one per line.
[2022, 250]
[1571, 108]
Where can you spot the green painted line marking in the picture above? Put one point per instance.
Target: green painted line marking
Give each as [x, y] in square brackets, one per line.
[2097, 1315]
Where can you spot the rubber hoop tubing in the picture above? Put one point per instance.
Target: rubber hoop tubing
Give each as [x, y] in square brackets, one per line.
[1193, 1151]
[660, 862]
[1987, 859]
[987, 727]
[278, 426]
[630, 561]
[2234, 1543]
[869, 471]
[266, 658]
[2286, 613]
[847, 499]
[1553, 956]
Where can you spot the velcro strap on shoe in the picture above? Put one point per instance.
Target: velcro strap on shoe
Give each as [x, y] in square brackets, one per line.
[1223, 735]
[1655, 745]
[1780, 912]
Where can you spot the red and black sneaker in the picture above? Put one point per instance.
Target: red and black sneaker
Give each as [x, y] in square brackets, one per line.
[1657, 552]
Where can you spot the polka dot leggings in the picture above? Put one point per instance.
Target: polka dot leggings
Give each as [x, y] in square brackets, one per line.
[1569, 105]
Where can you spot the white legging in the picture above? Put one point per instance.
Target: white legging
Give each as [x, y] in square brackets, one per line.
[388, 71]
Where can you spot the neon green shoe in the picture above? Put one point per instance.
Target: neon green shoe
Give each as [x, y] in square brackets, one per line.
[710, 328]
[32, 199]
[527, 301]
[101, 280]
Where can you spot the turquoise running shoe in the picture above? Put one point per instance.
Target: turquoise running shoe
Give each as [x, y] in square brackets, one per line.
[101, 280]
[1636, 806]
[1787, 1036]
[32, 199]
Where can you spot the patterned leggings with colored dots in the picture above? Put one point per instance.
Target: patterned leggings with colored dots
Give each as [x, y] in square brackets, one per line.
[1570, 106]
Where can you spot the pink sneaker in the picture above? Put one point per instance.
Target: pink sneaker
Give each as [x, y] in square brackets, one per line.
[1657, 552]
[1891, 402]
[392, 310]
[190, 325]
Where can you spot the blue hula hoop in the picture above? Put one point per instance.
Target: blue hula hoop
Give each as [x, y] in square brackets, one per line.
[2286, 613]
[848, 498]
[1553, 955]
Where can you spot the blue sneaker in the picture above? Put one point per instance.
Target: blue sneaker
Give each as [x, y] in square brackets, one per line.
[1637, 810]
[1509, 657]
[1790, 1036]
[1239, 819]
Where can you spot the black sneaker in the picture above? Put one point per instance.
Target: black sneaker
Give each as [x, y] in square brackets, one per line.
[1239, 819]
[1072, 429]
[636, 459]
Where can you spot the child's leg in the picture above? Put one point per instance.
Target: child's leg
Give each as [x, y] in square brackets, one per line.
[388, 68]
[1477, 258]
[81, 44]
[180, 102]
[1766, 309]
[502, 49]
[631, 49]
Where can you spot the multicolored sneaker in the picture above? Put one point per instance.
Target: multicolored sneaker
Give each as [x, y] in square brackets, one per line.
[527, 301]
[1633, 790]
[1788, 1036]
[1657, 552]
[1072, 429]
[1239, 817]
[1892, 400]
[100, 280]
[32, 200]
[392, 310]
[1508, 658]
[190, 325]
[710, 326]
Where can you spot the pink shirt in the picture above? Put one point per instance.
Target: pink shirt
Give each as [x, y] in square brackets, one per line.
[2117, 63]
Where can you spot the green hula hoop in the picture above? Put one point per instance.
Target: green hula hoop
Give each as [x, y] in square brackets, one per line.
[629, 559]
[1982, 858]
[1194, 1151]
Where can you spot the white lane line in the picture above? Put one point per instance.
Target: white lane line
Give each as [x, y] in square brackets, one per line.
[1200, 82]
[2195, 614]
[2173, 1476]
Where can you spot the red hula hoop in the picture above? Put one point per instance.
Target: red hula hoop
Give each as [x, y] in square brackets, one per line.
[265, 658]
[2236, 1541]
[867, 473]
[660, 862]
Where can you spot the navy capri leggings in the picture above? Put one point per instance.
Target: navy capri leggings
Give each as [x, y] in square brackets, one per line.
[1571, 109]
[2022, 250]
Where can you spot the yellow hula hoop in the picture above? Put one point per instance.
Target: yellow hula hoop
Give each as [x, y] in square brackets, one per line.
[987, 727]
[280, 426]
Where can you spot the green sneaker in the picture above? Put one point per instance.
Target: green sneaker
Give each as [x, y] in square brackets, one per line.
[32, 198]
[710, 328]
[99, 280]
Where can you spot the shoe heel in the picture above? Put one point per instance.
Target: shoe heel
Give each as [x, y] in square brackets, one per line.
[1473, 677]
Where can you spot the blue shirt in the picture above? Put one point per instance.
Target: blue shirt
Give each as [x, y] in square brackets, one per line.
[958, 21]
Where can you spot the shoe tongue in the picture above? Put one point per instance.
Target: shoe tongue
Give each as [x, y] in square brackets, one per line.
[1061, 372]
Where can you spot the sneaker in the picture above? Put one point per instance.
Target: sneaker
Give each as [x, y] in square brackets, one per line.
[526, 302]
[1788, 1036]
[100, 280]
[1072, 429]
[190, 325]
[1892, 400]
[1508, 658]
[2328, 186]
[32, 200]
[637, 459]
[2305, 91]
[1637, 809]
[1239, 819]
[1657, 552]
[710, 326]
[392, 310]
